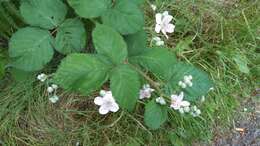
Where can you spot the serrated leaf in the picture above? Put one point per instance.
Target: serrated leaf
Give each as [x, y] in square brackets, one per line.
[71, 37]
[156, 60]
[125, 17]
[136, 43]
[84, 73]
[201, 81]
[43, 13]
[125, 85]
[31, 48]
[110, 43]
[155, 115]
[90, 8]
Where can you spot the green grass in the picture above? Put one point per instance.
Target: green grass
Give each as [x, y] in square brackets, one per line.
[221, 38]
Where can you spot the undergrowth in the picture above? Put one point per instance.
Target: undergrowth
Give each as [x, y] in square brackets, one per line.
[220, 37]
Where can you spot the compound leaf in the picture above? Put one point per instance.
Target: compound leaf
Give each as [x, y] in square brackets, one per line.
[31, 48]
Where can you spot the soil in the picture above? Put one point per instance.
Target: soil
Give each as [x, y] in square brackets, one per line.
[246, 129]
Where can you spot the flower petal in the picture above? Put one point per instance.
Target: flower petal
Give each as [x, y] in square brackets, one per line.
[174, 97]
[103, 110]
[114, 108]
[169, 28]
[158, 18]
[185, 103]
[165, 13]
[175, 106]
[158, 28]
[181, 96]
[167, 19]
[98, 100]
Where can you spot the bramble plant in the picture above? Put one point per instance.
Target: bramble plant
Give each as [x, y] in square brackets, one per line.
[121, 57]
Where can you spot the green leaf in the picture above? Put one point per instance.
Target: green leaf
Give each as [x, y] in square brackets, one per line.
[125, 85]
[156, 60]
[84, 73]
[31, 48]
[241, 61]
[43, 13]
[136, 43]
[201, 81]
[125, 17]
[71, 37]
[138, 2]
[90, 8]
[155, 115]
[21, 76]
[109, 43]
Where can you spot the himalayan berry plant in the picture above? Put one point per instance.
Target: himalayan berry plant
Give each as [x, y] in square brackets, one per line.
[121, 57]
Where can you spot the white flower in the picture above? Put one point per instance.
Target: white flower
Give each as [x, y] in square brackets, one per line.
[211, 89]
[42, 77]
[160, 100]
[146, 92]
[54, 99]
[186, 109]
[181, 110]
[54, 86]
[195, 111]
[158, 41]
[106, 102]
[153, 7]
[187, 81]
[182, 84]
[163, 23]
[177, 101]
[202, 99]
[50, 89]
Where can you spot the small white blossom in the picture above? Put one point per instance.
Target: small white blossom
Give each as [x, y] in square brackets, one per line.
[153, 7]
[187, 81]
[54, 99]
[211, 89]
[160, 100]
[158, 41]
[50, 89]
[195, 111]
[42, 77]
[177, 101]
[106, 102]
[54, 86]
[203, 98]
[186, 109]
[163, 23]
[181, 110]
[182, 84]
[102, 93]
[146, 92]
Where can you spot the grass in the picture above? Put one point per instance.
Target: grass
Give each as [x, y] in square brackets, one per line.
[220, 37]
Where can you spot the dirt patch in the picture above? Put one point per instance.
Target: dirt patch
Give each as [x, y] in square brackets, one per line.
[246, 129]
